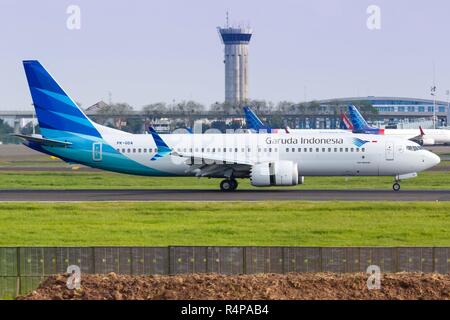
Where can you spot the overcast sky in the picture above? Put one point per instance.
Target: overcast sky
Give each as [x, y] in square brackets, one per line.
[148, 51]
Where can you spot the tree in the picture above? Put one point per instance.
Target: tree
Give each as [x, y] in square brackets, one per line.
[5, 128]
[276, 121]
[158, 107]
[133, 125]
[187, 107]
[367, 110]
[28, 129]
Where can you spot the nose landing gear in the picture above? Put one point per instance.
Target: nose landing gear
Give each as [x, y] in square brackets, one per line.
[228, 185]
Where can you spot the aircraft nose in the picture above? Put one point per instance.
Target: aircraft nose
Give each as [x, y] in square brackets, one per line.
[433, 159]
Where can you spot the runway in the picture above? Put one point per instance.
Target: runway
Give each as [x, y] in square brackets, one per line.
[213, 195]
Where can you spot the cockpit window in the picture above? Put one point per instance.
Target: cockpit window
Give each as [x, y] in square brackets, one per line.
[413, 148]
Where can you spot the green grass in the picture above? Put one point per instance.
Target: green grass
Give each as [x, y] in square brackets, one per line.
[210, 223]
[105, 180]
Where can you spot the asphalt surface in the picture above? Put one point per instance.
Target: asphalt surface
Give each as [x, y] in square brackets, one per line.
[213, 195]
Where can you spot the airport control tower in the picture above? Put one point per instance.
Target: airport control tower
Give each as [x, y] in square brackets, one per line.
[236, 42]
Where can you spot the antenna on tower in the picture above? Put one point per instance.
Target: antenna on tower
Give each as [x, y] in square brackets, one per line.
[227, 19]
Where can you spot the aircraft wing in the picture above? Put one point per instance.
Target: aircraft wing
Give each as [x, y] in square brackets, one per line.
[201, 165]
[43, 141]
[214, 166]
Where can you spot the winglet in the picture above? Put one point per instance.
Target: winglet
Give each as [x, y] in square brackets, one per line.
[162, 148]
[421, 131]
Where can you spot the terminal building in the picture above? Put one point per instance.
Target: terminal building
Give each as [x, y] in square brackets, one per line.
[397, 110]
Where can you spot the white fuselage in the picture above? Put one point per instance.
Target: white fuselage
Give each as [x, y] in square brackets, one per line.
[431, 136]
[316, 154]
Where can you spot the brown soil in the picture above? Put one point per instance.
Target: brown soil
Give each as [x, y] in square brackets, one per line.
[260, 286]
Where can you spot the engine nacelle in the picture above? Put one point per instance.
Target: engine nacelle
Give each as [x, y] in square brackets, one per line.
[427, 142]
[278, 173]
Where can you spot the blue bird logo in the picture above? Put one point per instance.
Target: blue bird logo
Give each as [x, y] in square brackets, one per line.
[359, 142]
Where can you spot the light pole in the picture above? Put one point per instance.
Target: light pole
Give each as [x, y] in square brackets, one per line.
[448, 104]
[433, 93]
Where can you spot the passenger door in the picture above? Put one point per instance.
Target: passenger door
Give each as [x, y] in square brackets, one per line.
[389, 150]
[97, 151]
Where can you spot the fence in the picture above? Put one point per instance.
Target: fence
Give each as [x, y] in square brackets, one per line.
[23, 268]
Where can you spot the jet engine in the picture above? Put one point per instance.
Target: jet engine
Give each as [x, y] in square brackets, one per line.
[277, 173]
[427, 142]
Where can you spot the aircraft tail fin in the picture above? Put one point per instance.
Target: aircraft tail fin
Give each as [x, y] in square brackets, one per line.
[55, 110]
[253, 122]
[345, 122]
[357, 120]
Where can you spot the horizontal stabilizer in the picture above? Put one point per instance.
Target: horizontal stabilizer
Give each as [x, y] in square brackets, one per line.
[43, 141]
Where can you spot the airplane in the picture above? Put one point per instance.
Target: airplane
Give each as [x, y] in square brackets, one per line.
[266, 159]
[428, 138]
[255, 124]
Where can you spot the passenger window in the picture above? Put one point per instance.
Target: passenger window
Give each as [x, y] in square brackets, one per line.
[352, 150]
[270, 149]
[310, 149]
[363, 149]
[299, 149]
[213, 150]
[293, 149]
[123, 150]
[357, 149]
[235, 149]
[341, 149]
[346, 149]
[317, 149]
[323, 149]
[139, 150]
[287, 149]
[329, 149]
[305, 149]
[335, 149]
[134, 150]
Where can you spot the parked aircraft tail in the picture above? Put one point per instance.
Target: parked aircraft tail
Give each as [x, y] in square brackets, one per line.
[359, 123]
[253, 122]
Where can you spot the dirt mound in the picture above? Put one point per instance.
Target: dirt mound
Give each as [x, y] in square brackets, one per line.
[259, 286]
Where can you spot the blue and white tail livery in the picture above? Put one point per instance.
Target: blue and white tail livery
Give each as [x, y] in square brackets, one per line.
[268, 159]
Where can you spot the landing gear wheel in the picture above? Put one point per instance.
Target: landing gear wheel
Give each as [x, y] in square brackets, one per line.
[234, 184]
[226, 185]
[396, 186]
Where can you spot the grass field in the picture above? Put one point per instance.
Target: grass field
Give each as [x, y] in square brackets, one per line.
[257, 223]
[106, 180]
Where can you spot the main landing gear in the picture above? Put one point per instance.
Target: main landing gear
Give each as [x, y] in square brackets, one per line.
[228, 185]
[396, 186]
